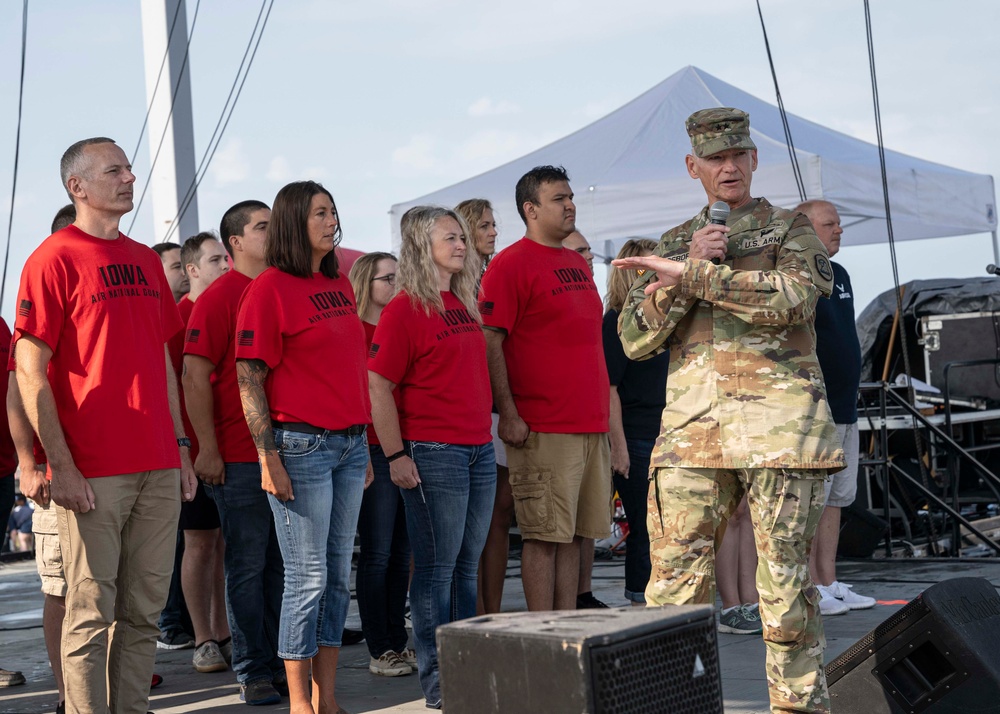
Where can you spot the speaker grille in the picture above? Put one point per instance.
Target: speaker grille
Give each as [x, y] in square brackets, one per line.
[914, 610]
[656, 673]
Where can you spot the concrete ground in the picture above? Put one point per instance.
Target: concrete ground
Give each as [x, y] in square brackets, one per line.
[184, 690]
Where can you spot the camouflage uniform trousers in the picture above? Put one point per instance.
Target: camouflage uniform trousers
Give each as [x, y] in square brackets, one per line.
[687, 513]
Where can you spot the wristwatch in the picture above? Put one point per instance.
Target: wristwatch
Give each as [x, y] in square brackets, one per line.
[183, 441]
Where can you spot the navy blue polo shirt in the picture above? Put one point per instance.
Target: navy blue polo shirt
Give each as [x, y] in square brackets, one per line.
[838, 348]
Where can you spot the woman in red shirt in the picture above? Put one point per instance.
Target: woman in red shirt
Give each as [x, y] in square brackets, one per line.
[300, 361]
[479, 217]
[384, 559]
[429, 346]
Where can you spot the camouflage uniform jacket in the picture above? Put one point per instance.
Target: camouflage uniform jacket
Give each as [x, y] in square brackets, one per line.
[745, 388]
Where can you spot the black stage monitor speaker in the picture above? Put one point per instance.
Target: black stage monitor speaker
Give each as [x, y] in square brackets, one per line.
[937, 654]
[628, 661]
[860, 532]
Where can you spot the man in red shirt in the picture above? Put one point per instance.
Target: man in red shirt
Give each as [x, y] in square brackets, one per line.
[227, 459]
[543, 317]
[202, 579]
[94, 314]
[173, 268]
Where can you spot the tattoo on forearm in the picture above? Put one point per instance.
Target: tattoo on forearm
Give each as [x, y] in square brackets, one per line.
[250, 375]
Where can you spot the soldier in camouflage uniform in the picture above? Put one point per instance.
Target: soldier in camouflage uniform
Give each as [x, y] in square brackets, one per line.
[746, 409]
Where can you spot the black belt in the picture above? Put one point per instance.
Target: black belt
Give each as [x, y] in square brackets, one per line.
[303, 428]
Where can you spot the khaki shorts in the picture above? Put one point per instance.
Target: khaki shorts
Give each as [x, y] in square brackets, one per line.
[562, 486]
[842, 487]
[48, 553]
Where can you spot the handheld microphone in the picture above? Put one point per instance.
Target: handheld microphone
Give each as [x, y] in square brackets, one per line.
[718, 214]
[992, 269]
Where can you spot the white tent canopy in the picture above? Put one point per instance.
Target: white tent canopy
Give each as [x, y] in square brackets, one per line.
[627, 171]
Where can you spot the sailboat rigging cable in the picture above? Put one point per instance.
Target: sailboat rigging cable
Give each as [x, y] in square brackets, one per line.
[17, 148]
[166, 124]
[793, 157]
[224, 117]
[156, 87]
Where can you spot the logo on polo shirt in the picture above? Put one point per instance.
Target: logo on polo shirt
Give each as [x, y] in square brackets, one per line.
[372, 351]
[24, 308]
[486, 308]
[244, 338]
[192, 335]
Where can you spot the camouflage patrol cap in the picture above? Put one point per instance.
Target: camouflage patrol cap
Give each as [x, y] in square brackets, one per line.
[717, 129]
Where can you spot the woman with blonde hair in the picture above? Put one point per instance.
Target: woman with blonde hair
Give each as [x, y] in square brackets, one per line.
[384, 559]
[638, 395]
[429, 347]
[478, 216]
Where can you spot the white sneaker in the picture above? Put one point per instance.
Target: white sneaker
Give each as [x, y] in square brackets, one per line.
[409, 656]
[389, 665]
[843, 592]
[829, 604]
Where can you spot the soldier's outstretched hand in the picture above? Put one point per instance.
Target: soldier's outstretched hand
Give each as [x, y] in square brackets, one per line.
[668, 272]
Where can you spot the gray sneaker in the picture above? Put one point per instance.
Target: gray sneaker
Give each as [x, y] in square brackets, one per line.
[389, 665]
[741, 620]
[208, 658]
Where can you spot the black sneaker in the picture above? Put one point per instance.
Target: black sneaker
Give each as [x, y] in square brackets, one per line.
[587, 601]
[351, 637]
[259, 692]
[175, 640]
[280, 682]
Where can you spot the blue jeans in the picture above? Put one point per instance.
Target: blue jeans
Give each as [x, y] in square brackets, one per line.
[384, 561]
[447, 516]
[254, 572]
[633, 491]
[316, 534]
[175, 617]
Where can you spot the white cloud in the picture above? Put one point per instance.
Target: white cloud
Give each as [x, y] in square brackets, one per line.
[486, 107]
[416, 157]
[230, 164]
[453, 159]
[279, 170]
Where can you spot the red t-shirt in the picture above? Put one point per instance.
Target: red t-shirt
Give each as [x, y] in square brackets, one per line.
[8, 455]
[438, 363]
[176, 346]
[105, 309]
[211, 333]
[369, 336]
[308, 333]
[547, 301]
[36, 445]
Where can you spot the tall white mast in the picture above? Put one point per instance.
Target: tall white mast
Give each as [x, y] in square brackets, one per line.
[174, 172]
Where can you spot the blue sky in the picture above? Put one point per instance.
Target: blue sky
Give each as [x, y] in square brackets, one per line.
[386, 100]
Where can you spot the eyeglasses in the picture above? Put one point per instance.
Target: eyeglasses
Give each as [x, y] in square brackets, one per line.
[390, 278]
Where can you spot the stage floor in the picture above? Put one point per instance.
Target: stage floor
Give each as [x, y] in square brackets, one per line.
[893, 583]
